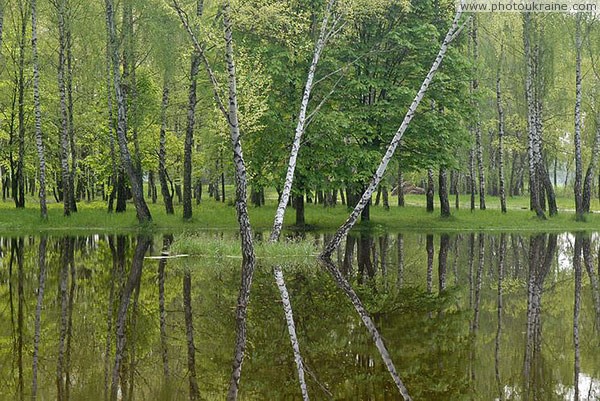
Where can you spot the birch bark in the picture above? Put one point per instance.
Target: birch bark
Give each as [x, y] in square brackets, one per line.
[325, 256]
[577, 187]
[39, 143]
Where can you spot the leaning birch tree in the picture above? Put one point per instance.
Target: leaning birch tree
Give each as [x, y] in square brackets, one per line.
[329, 27]
[334, 243]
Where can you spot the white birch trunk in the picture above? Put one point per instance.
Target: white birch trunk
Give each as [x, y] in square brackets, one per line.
[500, 134]
[285, 195]
[289, 177]
[366, 197]
[325, 256]
[578, 163]
[248, 257]
[39, 143]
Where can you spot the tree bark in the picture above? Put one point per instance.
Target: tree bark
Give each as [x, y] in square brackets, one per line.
[189, 138]
[162, 152]
[64, 119]
[532, 152]
[248, 257]
[443, 193]
[19, 177]
[324, 34]
[579, 210]
[111, 129]
[71, 123]
[142, 211]
[299, 205]
[38, 111]
[430, 190]
[400, 188]
[477, 128]
[500, 133]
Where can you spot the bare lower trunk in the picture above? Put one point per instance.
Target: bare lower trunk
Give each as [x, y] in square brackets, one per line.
[579, 210]
[472, 177]
[39, 143]
[430, 190]
[64, 125]
[591, 170]
[443, 193]
[532, 151]
[189, 139]
[162, 153]
[500, 136]
[399, 188]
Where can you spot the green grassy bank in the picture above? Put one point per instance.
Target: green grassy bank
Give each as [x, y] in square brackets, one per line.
[211, 215]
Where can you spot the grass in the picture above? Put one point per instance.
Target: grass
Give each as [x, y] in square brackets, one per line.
[211, 215]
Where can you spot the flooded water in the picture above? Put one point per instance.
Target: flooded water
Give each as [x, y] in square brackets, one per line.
[464, 316]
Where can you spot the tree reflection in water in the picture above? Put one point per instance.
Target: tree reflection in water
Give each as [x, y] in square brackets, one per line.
[89, 318]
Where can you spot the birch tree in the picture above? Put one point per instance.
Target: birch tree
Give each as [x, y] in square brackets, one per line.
[61, 8]
[38, 112]
[142, 211]
[500, 132]
[579, 211]
[325, 256]
[327, 30]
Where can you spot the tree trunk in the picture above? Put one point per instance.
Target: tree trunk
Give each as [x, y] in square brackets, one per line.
[532, 150]
[430, 190]
[248, 257]
[64, 118]
[38, 115]
[591, 172]
[500, 133]
[162, 153]
[19, 177]
[400, 188]
[477, 128]
[189, 139]
[385, 195]
[579, 210]
[443, 193]
[324, 35]
[472, 176]
[142, 211]
[71, 124]
[333, 244]
[299, 205]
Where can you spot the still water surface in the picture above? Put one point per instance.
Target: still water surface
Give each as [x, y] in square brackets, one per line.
[465, 317]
